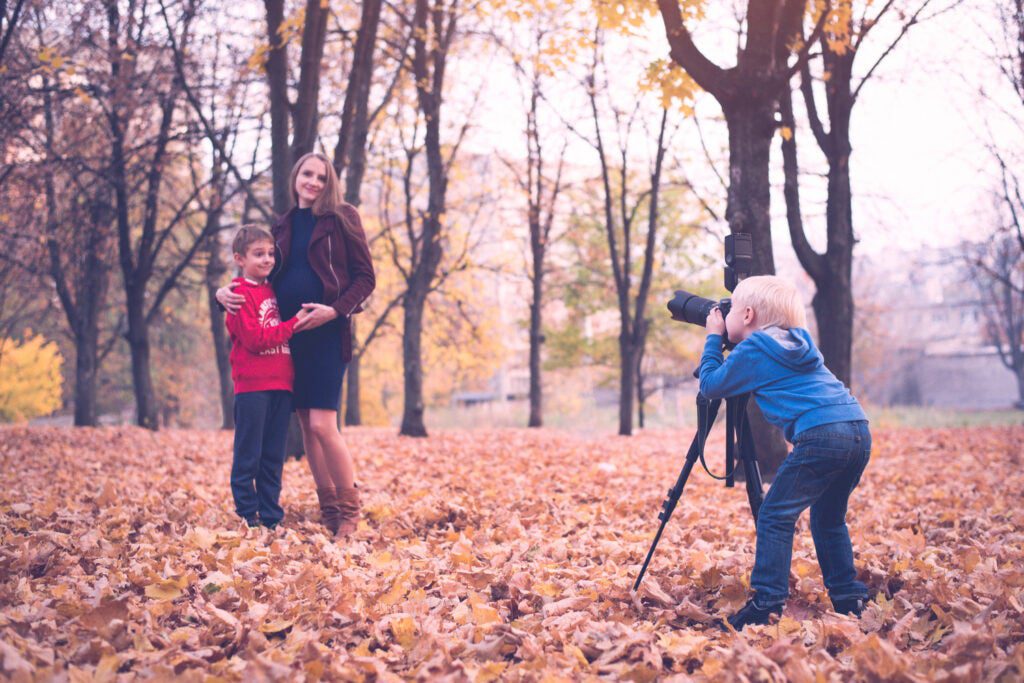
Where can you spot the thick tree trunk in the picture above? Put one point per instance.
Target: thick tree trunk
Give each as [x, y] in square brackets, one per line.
[138, 343]
[751, 127]
[307, 111]
[215, 269]
[277, 83]
[86, 367]
[412, 368]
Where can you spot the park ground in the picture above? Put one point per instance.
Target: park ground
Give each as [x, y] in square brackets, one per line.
[494, 555]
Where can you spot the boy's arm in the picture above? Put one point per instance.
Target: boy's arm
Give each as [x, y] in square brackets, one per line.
[732, 376]
[245, 327]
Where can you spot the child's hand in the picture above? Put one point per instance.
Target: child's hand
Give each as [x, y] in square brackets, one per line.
[716, 323]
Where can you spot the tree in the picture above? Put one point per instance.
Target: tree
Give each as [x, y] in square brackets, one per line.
[996, 268]
[303, 114]
[434, 25]
[350, 157]
[841, 42]
[156, 244]
[55, 137]
[621, 213]
[548, 50]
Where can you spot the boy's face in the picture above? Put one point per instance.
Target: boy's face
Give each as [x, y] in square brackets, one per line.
[738, 324]
[258, 260]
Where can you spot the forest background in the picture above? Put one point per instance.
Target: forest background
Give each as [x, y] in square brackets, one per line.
[536, 178]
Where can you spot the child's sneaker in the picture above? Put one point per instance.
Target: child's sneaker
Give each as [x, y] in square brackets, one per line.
[750, 613]
[852, 606]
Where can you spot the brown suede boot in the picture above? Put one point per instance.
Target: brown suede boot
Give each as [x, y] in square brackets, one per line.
[330, 513]
[348, 511]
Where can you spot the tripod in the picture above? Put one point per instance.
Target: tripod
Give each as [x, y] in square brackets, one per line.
[737, 436]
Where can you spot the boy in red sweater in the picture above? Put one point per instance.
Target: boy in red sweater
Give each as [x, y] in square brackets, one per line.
[261, 367]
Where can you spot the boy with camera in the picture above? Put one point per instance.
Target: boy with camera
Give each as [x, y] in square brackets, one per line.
[776, 360]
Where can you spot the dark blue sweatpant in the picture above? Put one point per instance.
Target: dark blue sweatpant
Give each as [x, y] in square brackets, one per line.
[261, 428]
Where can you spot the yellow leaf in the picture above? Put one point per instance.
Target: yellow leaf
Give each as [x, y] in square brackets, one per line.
[278, 626]
[489, 672]
[485, 614]
[786, 132]
[168, 589]
[547, 589]
[577, 653]
[399, 588]
[404, 631]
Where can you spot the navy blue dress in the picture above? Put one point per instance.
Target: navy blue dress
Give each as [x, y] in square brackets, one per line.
[316, 353]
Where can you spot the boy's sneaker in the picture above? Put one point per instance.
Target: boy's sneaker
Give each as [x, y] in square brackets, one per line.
[750, 613]
[252, 522]
[852, 606]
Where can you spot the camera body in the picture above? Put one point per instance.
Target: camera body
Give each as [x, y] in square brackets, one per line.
[739, 260]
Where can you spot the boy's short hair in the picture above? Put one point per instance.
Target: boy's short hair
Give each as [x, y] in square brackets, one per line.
[775, 301]
[249, 235]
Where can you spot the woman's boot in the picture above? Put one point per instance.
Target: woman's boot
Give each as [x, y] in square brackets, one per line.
[330, 513]
[348, 511]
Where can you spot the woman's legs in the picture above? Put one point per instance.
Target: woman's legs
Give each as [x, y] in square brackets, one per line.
[314, 453]
[329, 460]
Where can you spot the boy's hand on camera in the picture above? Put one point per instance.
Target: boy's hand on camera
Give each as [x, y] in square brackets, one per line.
[716, 323]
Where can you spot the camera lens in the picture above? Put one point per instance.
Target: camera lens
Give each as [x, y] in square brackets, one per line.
[690, 308]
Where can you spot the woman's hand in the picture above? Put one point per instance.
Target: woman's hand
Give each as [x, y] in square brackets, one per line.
[227, 298]
[318, 314]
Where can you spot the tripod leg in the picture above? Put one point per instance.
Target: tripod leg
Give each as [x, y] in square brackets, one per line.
[707, 411]
[748, 454]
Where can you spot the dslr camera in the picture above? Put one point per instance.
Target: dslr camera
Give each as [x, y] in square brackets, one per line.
[739, 260]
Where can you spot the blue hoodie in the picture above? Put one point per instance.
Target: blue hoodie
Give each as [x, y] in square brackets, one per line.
[787, 376]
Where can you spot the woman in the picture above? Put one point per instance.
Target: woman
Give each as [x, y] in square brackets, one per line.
[322, 264]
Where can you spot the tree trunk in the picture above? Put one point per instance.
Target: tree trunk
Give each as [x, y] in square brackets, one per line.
[627, 382]
[536, 341]
[86, 366]
[277, 83]
[353, 412]
[412, 369]
[430, 50]
[751, 127]
[350, 155]
[215, 269]
[138, 343]
[536, 336]
[307, 111]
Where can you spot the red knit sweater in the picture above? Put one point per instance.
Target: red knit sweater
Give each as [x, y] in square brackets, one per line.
[260, 359]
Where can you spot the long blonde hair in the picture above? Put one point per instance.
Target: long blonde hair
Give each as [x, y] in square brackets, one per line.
[329, 201]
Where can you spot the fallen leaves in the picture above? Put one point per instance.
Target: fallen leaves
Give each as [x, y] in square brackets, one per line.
[489, 556]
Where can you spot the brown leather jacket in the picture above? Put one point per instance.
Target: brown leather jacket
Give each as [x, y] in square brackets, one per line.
[340, 257]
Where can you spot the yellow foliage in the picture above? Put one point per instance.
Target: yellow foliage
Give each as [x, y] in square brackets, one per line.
[673, 82]
[30, 378]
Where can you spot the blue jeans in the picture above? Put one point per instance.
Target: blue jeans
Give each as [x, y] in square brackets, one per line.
[261, 428]
[824, 467]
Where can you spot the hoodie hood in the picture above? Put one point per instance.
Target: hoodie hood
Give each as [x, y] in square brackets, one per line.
[793, 348]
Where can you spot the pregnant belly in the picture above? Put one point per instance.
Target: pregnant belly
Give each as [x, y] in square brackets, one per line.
[297, 288]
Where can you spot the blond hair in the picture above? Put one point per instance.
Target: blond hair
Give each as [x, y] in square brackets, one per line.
[774, 300]
[249, 235]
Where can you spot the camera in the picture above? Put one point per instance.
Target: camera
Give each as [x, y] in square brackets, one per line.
[739, 260]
